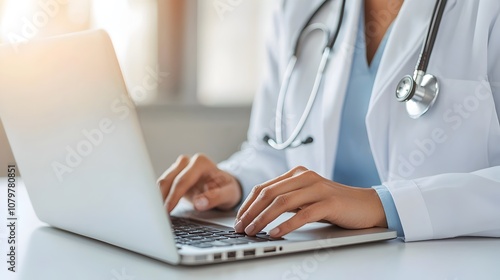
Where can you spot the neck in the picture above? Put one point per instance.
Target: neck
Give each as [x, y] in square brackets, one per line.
[379, 14]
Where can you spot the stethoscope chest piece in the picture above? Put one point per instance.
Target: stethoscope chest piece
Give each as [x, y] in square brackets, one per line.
[419, 93]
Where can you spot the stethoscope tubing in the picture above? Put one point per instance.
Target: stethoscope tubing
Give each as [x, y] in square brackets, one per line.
[418, 80]
[279, 143]
[425, 56]
[420, 91]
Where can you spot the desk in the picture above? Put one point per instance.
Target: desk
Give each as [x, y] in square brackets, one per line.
[48, 253]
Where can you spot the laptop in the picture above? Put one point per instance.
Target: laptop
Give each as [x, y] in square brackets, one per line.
[78, 143]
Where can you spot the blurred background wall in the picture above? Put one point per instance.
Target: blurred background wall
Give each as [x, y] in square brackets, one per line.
[206, 55]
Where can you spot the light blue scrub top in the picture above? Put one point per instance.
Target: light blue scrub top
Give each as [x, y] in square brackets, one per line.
[354, 164]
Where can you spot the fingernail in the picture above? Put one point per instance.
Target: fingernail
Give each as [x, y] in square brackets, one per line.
[168, 206]
[238, 227]
[274, 232]
[250, 229]
[201, 203]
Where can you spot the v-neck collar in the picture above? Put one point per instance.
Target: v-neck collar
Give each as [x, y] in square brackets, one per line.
[361, 42]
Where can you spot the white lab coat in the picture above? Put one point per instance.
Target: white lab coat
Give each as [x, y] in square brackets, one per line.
[443, 169]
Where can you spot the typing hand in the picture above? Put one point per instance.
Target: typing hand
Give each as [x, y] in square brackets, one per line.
[201, 182]
[315, 197]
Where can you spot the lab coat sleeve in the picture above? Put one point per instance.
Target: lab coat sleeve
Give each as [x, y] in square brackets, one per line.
[451, 205]
[391, 213]
[494, 61]
[256, 162]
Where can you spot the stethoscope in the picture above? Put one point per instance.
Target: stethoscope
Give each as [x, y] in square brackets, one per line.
[419, 91]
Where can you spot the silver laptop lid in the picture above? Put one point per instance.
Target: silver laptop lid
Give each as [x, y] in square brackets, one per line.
[77, 141]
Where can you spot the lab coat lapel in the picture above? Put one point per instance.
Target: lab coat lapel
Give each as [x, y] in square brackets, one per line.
[299, 17]
[312, 155]
[335, 84]
[320, 155]
[404, 44]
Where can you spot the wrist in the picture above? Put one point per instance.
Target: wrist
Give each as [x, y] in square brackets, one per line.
[379, 218]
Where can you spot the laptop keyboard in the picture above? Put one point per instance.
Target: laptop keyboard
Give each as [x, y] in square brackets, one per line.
[204, 235]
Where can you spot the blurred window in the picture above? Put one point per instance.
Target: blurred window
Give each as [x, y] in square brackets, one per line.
[230, 49]
[198, 51]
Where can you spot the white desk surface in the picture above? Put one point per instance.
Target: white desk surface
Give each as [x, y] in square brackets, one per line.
[48, 253]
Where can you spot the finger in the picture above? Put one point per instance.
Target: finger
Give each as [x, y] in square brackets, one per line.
[186, 179]
[208, 199]
[310, 214]
[208, 183]
[167, 178]
[229, 191]
[269, 194]
[258, 189]
[282, 204]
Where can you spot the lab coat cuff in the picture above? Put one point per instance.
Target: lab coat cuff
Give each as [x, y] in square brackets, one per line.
[391, 213]
[412, 210]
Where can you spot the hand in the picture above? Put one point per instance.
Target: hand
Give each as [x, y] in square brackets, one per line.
[315, 198]
[201, 182]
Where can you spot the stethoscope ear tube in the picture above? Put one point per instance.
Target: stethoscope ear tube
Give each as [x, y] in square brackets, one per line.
[329, 41]
[292, 141]
[267, 139]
